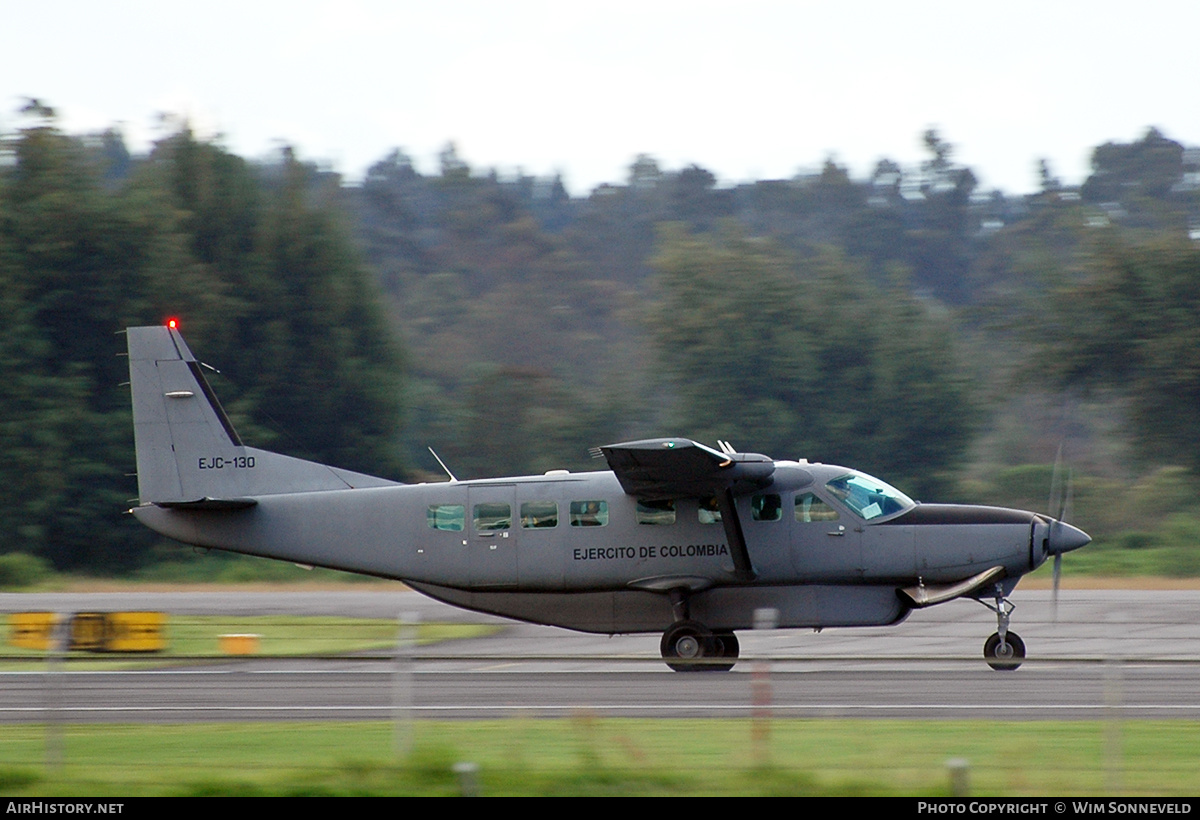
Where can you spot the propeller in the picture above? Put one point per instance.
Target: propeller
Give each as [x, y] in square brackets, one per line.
[1056, 494]
[1057, 499]
[1062, 536]
[1060, 522]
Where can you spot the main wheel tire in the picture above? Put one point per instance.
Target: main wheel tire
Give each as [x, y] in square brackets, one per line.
[1007, 656]
[689, 641]
[724, 645]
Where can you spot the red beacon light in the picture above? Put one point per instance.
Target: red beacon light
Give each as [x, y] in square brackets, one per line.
[173, 324]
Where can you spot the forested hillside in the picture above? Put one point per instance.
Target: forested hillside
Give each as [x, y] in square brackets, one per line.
[908, 324]
[259, 267]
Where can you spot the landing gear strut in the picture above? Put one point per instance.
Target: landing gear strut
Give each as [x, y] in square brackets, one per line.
[1003, 650]
[687, 644]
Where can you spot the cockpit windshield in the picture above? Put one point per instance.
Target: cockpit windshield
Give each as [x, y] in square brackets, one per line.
[869, 497]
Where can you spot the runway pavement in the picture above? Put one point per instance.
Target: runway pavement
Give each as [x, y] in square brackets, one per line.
[1133, 654]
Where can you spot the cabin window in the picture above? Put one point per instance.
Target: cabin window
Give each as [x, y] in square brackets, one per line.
[492, 516]
[766, 507]
[537, 515]
[809, 508]
[656, 512]
[589, 513]
[446, 517]
[709, 511]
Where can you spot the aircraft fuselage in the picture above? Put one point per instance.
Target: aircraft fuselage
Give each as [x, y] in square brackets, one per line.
[479, 543]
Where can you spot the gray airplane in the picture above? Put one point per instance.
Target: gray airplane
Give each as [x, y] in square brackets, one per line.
[676, 537]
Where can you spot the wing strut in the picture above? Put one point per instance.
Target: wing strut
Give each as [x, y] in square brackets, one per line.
[742, 568]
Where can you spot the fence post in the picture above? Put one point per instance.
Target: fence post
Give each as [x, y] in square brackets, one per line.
[1114, 696]
[60, 643]
[468, 778]
[402, 682]
[960, 771]
[761, 694]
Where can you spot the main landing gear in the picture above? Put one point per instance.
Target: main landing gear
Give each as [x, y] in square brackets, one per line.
[1004, 650]
[690, 646]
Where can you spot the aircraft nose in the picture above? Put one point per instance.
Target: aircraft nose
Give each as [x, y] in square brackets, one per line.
[1064, 538]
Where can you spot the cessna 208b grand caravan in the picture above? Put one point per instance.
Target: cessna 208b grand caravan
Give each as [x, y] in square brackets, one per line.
[677, 537]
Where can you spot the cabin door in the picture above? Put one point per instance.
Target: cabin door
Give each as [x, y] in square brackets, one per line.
[826, 542]
[491, 518]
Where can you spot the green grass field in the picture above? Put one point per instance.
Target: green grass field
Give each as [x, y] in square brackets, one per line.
[585, 755]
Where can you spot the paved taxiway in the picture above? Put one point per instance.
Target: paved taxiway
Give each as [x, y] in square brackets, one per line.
[1112, 652]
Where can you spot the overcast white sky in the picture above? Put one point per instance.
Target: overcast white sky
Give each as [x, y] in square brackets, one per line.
[749, 89]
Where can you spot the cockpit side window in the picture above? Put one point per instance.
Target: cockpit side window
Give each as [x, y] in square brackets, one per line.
[809, 508]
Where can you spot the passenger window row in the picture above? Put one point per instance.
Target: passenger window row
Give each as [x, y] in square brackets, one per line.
[536, 515]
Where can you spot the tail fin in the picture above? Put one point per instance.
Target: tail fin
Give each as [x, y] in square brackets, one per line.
[188, 453]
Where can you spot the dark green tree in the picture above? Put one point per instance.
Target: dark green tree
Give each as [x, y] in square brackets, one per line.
[328, 369]
[1131, 324]
[1149, 167]
[806, 359]
[71, 260]
[287, 311]
[261, 272]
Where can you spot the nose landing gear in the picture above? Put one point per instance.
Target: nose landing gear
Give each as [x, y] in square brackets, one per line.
[1003, 650]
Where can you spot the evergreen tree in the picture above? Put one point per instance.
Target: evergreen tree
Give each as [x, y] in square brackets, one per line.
[264, 278]
[1132, 324]
[71, 262]
[807, 359]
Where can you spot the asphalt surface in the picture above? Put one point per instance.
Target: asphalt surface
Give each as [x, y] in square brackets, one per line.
[1128, 654]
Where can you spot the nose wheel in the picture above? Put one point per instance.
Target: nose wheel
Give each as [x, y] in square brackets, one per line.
[1004, 650]
[686, 644]
[1004, 654]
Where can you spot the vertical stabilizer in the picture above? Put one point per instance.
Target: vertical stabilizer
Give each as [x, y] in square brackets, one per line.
[188, 451]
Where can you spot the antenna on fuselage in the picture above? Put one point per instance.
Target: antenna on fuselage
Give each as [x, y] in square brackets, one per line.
[439, 461]
[726, 447]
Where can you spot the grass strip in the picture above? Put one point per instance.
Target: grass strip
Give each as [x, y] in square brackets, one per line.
[587, 755]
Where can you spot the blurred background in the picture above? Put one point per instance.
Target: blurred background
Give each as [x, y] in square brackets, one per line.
[932, 243]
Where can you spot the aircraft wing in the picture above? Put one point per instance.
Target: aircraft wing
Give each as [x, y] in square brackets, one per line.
[660, 469]
[664, 468]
